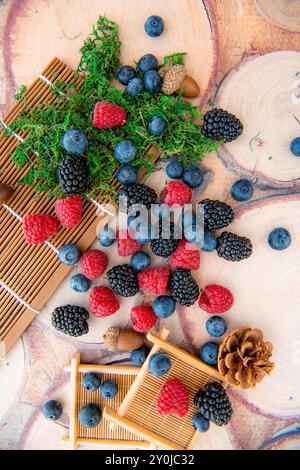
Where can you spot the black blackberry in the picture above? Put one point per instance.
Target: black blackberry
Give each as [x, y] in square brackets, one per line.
[71, 320]
[183, 287]
[219, 125]
[166, 239]
[217, 214]
[123, 280]
[213, 403]
[232, 247]
[136, 194]
[72, 174]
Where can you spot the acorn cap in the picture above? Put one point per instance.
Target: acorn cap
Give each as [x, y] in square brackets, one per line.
[173, 79]
[111, 338]
[116, 338]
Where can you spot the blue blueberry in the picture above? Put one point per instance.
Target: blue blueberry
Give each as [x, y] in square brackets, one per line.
[216, 326]
[125, 151]
[126, 73]
[136, 221]
[69, 254]
[193, 176]
[242, 190]
[138, 356]
[159, 364]
[75, 141]
[108, 389]
[135, 87]
[188, 218]
[127, 175]
[52, 409]
[80, 283]
[157, 125]
[209, 353]
[295, 147]
[174, 169]
[209, 242]
[200, 423]
[161, 211]
[148, 62]
[90, 415]
[142, 234]
[279, 239]
[107, 236]
[152, 81]
[154, 26]
[164, 306]
[193, 233]
[91, 381]
[140, 260]
[131, 219]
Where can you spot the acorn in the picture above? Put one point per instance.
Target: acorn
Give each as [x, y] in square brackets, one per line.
[189, 87]
[5, 193]
[175, 80]
[116, 338]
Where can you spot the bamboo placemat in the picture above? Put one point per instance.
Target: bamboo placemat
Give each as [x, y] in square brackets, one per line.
[31, 274]
[106, 433]
[138, 412]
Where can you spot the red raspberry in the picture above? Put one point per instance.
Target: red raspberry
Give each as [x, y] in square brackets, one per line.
[216, 299]
[143, 318]
[93, 263]
[176, 192]
[108, 115]
[173, 399]
[126, 244]
[154, 280]
[37, 228]
[103, 302]
[186, 256]
[68, 211]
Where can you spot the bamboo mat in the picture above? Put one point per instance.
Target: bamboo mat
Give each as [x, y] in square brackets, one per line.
[30, 274]
[138, 411]
[105, 433]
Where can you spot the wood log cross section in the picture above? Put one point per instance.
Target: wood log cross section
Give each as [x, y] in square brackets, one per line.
[245, 57]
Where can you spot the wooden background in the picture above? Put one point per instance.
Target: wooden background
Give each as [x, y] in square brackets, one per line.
[218, 35]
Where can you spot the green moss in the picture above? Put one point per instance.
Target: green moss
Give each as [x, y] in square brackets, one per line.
[100, 57]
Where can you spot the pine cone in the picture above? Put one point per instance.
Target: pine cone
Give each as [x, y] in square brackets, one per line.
[244, 358]
[173, 79]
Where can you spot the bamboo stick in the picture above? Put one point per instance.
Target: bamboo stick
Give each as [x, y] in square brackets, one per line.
[110, 442]
[106, 369]
[140, 377]
[184, 356]
[158, 440]
[74, 394]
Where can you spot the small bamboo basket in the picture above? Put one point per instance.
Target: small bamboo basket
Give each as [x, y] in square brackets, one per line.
[30, 274]
[137, 413]
[106, 433]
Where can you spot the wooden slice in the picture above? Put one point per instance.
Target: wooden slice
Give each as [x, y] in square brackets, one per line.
[286, 439]
[41, 433]
[12, 374]
[53, 28]
[267, 296]
[98, 326]
[282, 13]
[264, 93]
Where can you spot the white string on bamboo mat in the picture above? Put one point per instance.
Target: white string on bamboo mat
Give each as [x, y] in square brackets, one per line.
[52, 85]
[17, 216]
[13, 133]
[100, 207]
[13, 294]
